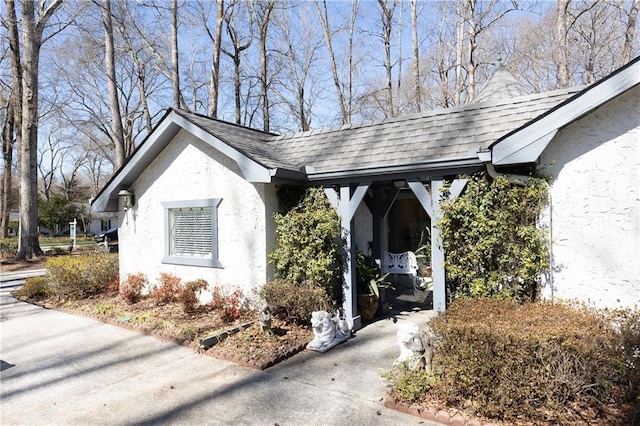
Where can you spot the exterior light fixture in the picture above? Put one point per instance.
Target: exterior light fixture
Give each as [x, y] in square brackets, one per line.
[126, 199]
[400, 183]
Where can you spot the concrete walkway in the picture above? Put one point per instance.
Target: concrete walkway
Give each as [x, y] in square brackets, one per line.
[64, 369]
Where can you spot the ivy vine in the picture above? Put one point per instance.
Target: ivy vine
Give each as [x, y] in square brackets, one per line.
[493, 245]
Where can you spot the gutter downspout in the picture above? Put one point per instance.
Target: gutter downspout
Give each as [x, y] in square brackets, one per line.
[523, 180]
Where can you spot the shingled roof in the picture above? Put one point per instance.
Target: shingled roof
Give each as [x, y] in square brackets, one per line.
[442, 134]
[250, 142]
[500, 85]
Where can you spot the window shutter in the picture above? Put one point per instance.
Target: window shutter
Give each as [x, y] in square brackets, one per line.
[191, 232]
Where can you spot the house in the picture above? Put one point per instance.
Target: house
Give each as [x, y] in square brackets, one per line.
[198, 195]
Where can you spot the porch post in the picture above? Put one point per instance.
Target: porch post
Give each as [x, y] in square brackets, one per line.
[346, 206]
[431, 204]
[437, 253]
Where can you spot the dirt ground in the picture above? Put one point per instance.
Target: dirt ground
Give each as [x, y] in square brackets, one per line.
[241, 341]
[12, 265]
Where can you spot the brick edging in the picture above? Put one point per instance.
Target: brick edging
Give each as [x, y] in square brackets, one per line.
[431, 414]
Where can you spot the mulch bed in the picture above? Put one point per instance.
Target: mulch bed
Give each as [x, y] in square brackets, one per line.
[244, 343]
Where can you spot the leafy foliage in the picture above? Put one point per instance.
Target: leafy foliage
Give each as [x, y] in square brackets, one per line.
[131, 288]
[82, 276]
[8, 247]
[189, 295]
[309, 245]
[492, 243]
[57, 212]
[35, 288]
[409, 384]
[230, 301]
[294, 303]
[167, 289]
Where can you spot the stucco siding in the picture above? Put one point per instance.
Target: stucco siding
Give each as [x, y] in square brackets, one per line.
[189, 169]
[594, 164]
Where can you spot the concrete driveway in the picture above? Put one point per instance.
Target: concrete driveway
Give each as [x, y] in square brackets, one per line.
[64, 369]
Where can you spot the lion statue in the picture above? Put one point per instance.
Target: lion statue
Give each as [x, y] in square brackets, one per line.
[328, 331]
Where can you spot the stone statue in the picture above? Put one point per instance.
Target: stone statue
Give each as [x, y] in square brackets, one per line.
[416, 349]
[264, 317]
[328, 331]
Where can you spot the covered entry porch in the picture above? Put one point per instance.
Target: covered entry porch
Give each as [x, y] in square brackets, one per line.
[381, 194]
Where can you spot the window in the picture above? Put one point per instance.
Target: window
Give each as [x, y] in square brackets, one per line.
[191, 232]
[105, 225]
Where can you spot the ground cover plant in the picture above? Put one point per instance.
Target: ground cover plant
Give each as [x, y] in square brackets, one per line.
[164, 307]
[541, 363]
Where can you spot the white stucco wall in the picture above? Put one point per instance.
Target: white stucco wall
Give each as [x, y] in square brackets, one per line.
[595, 192]
[189, 169]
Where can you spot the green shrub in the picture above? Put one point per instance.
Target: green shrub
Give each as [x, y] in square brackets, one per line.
[8, 247]
[539, 361]
[131, 288]
[79, 277]
[167, 290]
[294, 303]
[189, 295]
[34, 288]
[309, 245]
[408, 384]
[492, 243]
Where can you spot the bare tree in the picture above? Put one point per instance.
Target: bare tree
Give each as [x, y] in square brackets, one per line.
[12, 124]
[386, 15]
[562, 32]
[239, 43]
[215, 36]
[324, 21]
[175, 65]
[416, 56]
[114, 105]
[33, 27]
[629, 34]
[263, 11]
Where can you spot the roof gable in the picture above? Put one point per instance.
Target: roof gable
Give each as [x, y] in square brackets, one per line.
[241, 144]
[525, 144]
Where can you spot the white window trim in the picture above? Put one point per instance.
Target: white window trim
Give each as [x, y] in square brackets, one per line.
[211, 262]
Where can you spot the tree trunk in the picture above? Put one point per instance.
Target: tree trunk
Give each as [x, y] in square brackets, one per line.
[416, 56]
[471, 48]
[175, 70]
[236, 56]
[264, 80]
[627, 48]
[114, 105]
[460, 20]
[324, 21]
[28, 245]
[387, 22]
[562, 13]
[215, 63]
[13, 122]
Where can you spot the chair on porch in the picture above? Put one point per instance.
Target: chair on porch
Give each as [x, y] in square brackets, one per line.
[404, 263]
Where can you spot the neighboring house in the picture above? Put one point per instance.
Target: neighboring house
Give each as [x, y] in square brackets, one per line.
[202, 192]
[102, 221]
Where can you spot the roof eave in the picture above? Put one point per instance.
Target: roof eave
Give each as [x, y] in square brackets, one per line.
[442, 167]
[525, 144]
[158, 139]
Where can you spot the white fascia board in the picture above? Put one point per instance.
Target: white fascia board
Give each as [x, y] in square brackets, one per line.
[251, 170]
[107, 200]
[526, 144]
